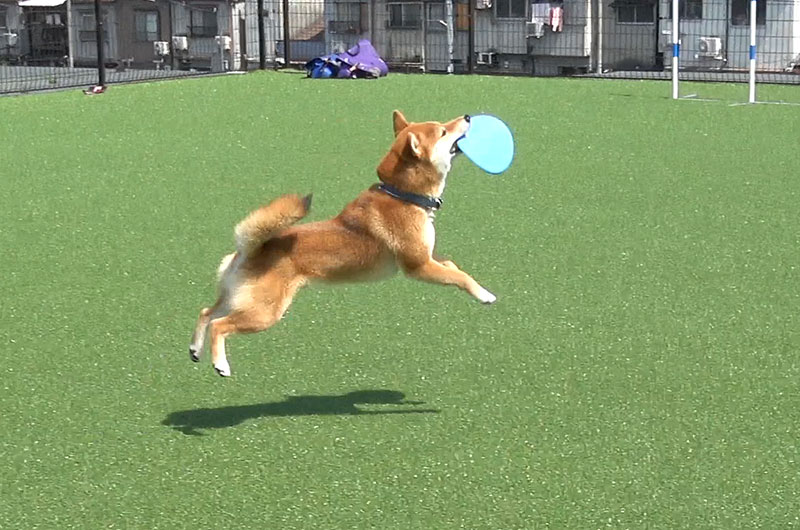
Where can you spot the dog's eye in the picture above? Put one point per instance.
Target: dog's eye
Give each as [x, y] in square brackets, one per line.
[444, 133]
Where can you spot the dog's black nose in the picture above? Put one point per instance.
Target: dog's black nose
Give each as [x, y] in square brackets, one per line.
[466, 118]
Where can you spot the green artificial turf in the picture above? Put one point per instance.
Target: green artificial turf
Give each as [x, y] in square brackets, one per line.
[639, 369]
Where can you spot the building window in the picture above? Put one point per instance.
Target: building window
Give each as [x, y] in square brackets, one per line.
[86, 23]
[348, 17]
[3, 23]
[147, 26]
[740, 12]
[436, 16]
[635, 12]
[203, 22]
[405, 15]
[691, 9]
[510, 8]
[86, 32]
[87, 29]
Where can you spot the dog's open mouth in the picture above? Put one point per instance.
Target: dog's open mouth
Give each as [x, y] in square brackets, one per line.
[454, 149]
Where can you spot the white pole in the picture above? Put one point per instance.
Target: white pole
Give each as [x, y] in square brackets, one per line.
[753, 6]
[450, 36]
[676, 48]
[600, 37]
[69, 35]
[424, 38]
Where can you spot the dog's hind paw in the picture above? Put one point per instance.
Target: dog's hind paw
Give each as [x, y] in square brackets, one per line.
[194, 354]
[486, 297]
[223, 369]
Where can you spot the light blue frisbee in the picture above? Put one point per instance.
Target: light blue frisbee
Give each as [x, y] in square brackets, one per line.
[488, 143]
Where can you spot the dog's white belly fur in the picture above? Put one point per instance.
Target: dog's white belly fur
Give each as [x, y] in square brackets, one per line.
[232, 289]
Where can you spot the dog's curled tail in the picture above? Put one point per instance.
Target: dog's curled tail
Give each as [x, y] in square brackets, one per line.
[264, 223]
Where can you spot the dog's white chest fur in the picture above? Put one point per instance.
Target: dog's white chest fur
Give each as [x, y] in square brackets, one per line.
[429, 234]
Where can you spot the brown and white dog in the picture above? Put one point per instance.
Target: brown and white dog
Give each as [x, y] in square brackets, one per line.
[390, 225]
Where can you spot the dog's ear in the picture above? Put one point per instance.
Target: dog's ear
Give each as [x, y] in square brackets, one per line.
[400, 122]
[412, 145]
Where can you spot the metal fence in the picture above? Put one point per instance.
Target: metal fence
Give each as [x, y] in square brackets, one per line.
[54, 43]
[46, 44]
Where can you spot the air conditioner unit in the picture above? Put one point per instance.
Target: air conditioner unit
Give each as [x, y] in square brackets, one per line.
[223, 41]
[161, 48]
[180, 43]
[534, 29]
[709, 47]
[487, 58]
[9, 39]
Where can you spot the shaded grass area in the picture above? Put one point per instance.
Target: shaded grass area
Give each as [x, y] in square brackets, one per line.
[638, 370]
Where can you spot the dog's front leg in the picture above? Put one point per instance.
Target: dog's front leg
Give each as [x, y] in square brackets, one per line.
[447, 273]
[449, 264]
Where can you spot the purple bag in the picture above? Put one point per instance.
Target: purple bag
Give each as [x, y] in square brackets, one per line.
[360, 61]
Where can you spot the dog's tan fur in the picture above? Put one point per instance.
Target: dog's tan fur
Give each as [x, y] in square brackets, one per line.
[373, 236]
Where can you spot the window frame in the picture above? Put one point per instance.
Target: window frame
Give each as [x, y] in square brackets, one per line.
[137, 35]
[509, 14]
[683, 6]
[352, 22]
[637, 7]
[90, 35]
[4, 18]
[761, 13]
[202, 31]
[404, 20]
[433, 22]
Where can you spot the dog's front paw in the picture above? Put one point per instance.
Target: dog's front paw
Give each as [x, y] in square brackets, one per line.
[194, 353]
[486, 297]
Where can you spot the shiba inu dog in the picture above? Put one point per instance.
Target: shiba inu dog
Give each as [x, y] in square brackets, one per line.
[386, 228]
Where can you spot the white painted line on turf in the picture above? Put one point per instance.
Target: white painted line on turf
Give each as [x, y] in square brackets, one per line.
[765, 103]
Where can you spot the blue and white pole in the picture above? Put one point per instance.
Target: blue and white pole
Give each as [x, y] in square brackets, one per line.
[753, 5]
[676, 49]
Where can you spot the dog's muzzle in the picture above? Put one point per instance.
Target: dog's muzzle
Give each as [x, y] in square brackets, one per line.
[454, 149]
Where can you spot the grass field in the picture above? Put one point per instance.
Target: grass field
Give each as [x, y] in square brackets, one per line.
[639, 370]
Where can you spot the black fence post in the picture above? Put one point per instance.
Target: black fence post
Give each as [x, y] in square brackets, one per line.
[171, 46]
[471, 38]
[262, 43]
[101, 59]
[286, 53]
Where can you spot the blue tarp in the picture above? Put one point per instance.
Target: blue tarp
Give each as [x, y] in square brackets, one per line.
[360, 61]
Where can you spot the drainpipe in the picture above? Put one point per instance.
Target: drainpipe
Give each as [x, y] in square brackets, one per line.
[69, 35]
[424, 26]
[450, 35]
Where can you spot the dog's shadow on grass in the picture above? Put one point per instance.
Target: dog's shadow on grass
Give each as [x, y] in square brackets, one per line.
[194, 421]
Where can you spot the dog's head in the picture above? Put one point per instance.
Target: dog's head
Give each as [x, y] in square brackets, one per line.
[421, 154]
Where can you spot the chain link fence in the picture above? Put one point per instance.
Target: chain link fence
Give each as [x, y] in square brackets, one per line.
[46, 44]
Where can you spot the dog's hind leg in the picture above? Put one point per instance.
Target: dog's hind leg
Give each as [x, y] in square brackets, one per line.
[196, 346]
[252, 319]
[199, 336]
[220, 307]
